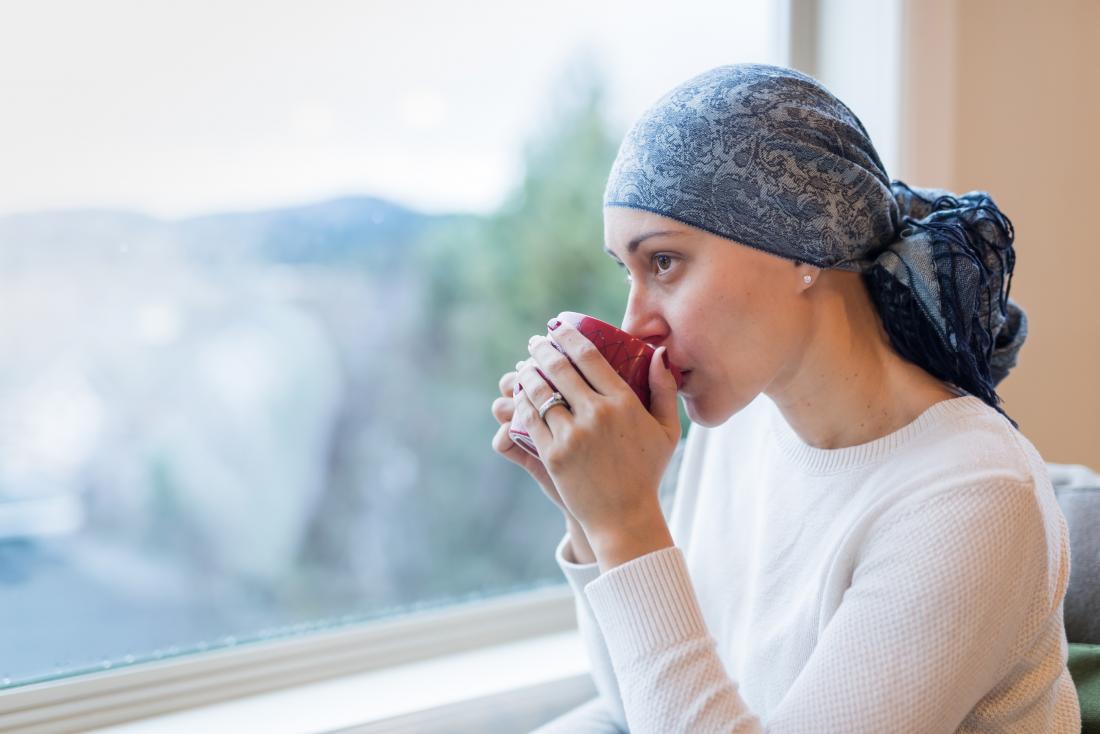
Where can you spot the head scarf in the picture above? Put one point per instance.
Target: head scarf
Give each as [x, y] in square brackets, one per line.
[769, 158]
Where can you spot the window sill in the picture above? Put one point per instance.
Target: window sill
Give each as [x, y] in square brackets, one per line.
[507, 682]
[438, 639]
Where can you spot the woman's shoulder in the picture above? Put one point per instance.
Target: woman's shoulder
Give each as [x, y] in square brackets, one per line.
[976, 468]
[970, 442]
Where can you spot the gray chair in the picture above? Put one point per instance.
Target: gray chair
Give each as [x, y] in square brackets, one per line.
[1078, 491]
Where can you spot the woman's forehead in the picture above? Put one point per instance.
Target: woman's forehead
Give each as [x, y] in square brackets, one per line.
[625, 229]
[623, 218]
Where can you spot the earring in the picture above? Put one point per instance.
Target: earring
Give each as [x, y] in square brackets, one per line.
[807, 279]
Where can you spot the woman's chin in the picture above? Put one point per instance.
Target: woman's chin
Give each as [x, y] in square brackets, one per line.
[708, 414]
[698, 413]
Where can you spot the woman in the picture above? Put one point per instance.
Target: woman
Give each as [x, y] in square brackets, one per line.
[861, 540]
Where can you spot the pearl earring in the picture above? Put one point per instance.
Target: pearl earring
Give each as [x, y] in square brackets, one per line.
[807, 279]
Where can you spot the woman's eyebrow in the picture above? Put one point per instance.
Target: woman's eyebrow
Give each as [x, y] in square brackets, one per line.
[632, 246]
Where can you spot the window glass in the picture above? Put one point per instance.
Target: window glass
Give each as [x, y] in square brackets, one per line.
[261, 267]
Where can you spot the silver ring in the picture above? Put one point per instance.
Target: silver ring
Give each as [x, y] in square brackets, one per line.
[554, 399]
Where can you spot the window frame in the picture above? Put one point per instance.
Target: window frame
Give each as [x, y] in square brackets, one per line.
[147, 689]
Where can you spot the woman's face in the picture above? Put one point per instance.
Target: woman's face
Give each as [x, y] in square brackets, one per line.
[732, 317]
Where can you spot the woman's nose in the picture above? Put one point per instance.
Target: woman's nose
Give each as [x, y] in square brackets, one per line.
[643, 320]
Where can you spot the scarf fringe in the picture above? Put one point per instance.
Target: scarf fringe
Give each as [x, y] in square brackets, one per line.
[957, 228]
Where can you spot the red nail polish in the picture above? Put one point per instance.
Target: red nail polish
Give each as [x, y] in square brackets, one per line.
[664, 358]
[553, 324]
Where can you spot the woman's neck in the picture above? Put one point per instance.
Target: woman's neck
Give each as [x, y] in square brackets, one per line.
[848, 386]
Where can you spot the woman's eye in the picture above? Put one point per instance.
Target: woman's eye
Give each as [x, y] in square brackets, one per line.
[664, 263]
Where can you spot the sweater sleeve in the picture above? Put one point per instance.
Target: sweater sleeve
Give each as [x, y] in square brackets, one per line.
[944, 590]
[579, 575]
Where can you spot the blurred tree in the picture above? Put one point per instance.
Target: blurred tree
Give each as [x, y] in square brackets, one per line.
[489, 284]
[484, 284]
[541, 253]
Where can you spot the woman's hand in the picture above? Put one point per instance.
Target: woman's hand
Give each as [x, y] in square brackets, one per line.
[606, 453]
[503, 408]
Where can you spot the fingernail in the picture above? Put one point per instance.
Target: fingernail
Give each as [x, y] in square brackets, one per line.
[553, 324]
[664, 358]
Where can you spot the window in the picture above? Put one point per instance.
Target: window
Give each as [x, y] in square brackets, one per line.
[261, 268]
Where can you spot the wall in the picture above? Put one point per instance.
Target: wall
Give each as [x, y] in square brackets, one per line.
[859, 59]
[1004, 97]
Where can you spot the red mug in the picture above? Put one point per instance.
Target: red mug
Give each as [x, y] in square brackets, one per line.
[627, 354]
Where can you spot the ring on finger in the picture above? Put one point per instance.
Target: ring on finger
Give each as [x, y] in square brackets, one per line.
[554, 399]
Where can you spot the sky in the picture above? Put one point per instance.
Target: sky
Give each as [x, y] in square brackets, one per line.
[182, 108]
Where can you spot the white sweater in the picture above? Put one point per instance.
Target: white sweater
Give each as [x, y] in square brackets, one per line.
[909, 584]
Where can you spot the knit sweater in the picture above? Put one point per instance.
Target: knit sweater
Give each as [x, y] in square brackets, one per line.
[910, 584]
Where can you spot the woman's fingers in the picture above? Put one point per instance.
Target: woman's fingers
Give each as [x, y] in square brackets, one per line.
[558, 372]
[590, 366]
[526, 412]
[503, 444]
[503, 409]
[507, 382]
[509, 449]
[506, 447]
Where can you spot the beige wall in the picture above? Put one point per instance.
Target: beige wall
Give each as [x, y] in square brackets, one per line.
[1005, 97]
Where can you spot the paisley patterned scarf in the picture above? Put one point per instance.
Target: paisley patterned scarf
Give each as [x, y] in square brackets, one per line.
[769, 158]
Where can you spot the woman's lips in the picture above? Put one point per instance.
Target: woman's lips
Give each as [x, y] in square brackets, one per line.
[684, 375]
